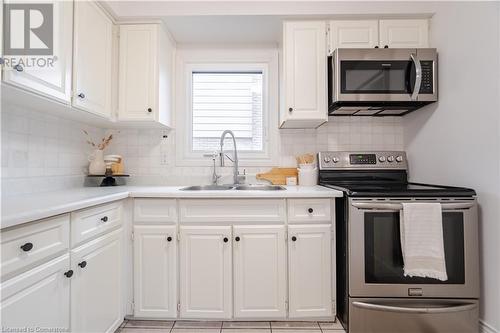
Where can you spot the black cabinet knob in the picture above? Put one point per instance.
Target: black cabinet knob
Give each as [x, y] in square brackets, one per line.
[169, 239]
[69, 273]
[376, 46]
[225, 240]
[237, 239]
[310, 210]
[104, 219]
[294, 238]
[290, 109]
[82, 264]
[81, 95]
[27, 247]
[386, 46]
[150, 110]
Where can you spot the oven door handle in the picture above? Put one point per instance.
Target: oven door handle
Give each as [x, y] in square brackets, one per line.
[416, 310]
[418, 76]
[398, 206]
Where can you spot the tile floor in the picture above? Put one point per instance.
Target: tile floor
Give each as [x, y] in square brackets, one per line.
[150, 326]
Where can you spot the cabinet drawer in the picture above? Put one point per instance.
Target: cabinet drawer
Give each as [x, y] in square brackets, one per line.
[27, 245]
[232, 210]
[313, 210]
[155, 210]
[88, 223]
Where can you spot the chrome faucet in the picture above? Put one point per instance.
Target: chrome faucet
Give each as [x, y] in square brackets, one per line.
[235, 155]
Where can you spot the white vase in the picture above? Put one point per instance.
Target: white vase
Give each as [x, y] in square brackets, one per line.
[97, 165]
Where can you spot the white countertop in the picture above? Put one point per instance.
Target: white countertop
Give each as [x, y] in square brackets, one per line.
[23, 209]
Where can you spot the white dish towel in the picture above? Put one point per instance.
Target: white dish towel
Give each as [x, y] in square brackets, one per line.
[421, 228]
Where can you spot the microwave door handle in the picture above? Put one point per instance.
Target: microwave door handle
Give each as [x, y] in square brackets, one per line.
[418, 76]
[398, 206]
[416, 310]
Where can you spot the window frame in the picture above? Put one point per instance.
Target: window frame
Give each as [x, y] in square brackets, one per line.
[224, 60]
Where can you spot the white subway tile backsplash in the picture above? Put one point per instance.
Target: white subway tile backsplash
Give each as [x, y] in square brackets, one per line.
[43, 153]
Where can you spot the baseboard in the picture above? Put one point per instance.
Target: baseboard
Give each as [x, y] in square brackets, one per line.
[486, 328]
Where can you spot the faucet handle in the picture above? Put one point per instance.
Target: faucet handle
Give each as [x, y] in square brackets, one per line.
[213, 155]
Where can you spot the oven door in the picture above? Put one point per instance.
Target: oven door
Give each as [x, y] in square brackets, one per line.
[384, 75]
[375, 258]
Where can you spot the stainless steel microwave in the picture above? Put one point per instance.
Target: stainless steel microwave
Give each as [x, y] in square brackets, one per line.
[381, 82]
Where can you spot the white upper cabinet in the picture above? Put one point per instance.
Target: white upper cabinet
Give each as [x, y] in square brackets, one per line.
[304, 74]
[205, 272]
[309, 271]
[404, 33]
[96, 299]
[145, 74]
[379, 33]
[353, 34]
[92, 59]
[259, 271]
[155, 271]
[51, 81]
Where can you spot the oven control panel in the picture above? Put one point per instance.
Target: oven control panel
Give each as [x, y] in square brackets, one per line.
[329, 160]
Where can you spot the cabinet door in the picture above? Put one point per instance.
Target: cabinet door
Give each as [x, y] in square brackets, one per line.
[155, 271]
[53, 81]
[96, 285]
[404, 33]
[309, 257]
[39, 298]
[205, 276]
[138, 72]
[93, 40]
[305, 72]
[353, 34]
[259, 271]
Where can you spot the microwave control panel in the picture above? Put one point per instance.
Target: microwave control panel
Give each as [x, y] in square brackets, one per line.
[427, 86]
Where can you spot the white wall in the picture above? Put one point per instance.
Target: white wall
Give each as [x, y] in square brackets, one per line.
[456, 141]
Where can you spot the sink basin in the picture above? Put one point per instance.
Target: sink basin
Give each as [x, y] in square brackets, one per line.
[208, 188]
[259, 188]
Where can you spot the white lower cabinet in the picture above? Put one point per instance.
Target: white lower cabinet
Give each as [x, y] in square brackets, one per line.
[205, 272]
[96, 302]
[259, 271]
[38, 298]
[310, 278]
[155, 273]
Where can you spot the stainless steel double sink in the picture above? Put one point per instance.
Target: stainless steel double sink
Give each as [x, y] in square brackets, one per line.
[242, 187]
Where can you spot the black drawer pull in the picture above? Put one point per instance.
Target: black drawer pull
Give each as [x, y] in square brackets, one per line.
[104, 219]
[150, 110]
[237, 238]
[27, 247]
[294, 238]
[225, 240]
[82, 264]
[169, 239]
[310, 210]
[69, 273]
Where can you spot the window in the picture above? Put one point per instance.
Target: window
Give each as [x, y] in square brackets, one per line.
[227, 101]
[226, 89]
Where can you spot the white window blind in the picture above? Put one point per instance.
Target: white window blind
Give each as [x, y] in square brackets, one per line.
[227, 100]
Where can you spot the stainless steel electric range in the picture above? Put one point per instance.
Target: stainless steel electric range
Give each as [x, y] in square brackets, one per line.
[373, 295]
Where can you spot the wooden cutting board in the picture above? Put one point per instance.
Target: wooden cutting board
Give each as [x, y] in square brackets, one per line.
[277, 176]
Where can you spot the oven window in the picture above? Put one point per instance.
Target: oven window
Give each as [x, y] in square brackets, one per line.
[375, 77]
[383, 257]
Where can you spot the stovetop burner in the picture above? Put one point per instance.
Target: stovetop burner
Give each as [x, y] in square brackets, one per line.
[377, 174]
[401, 190]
